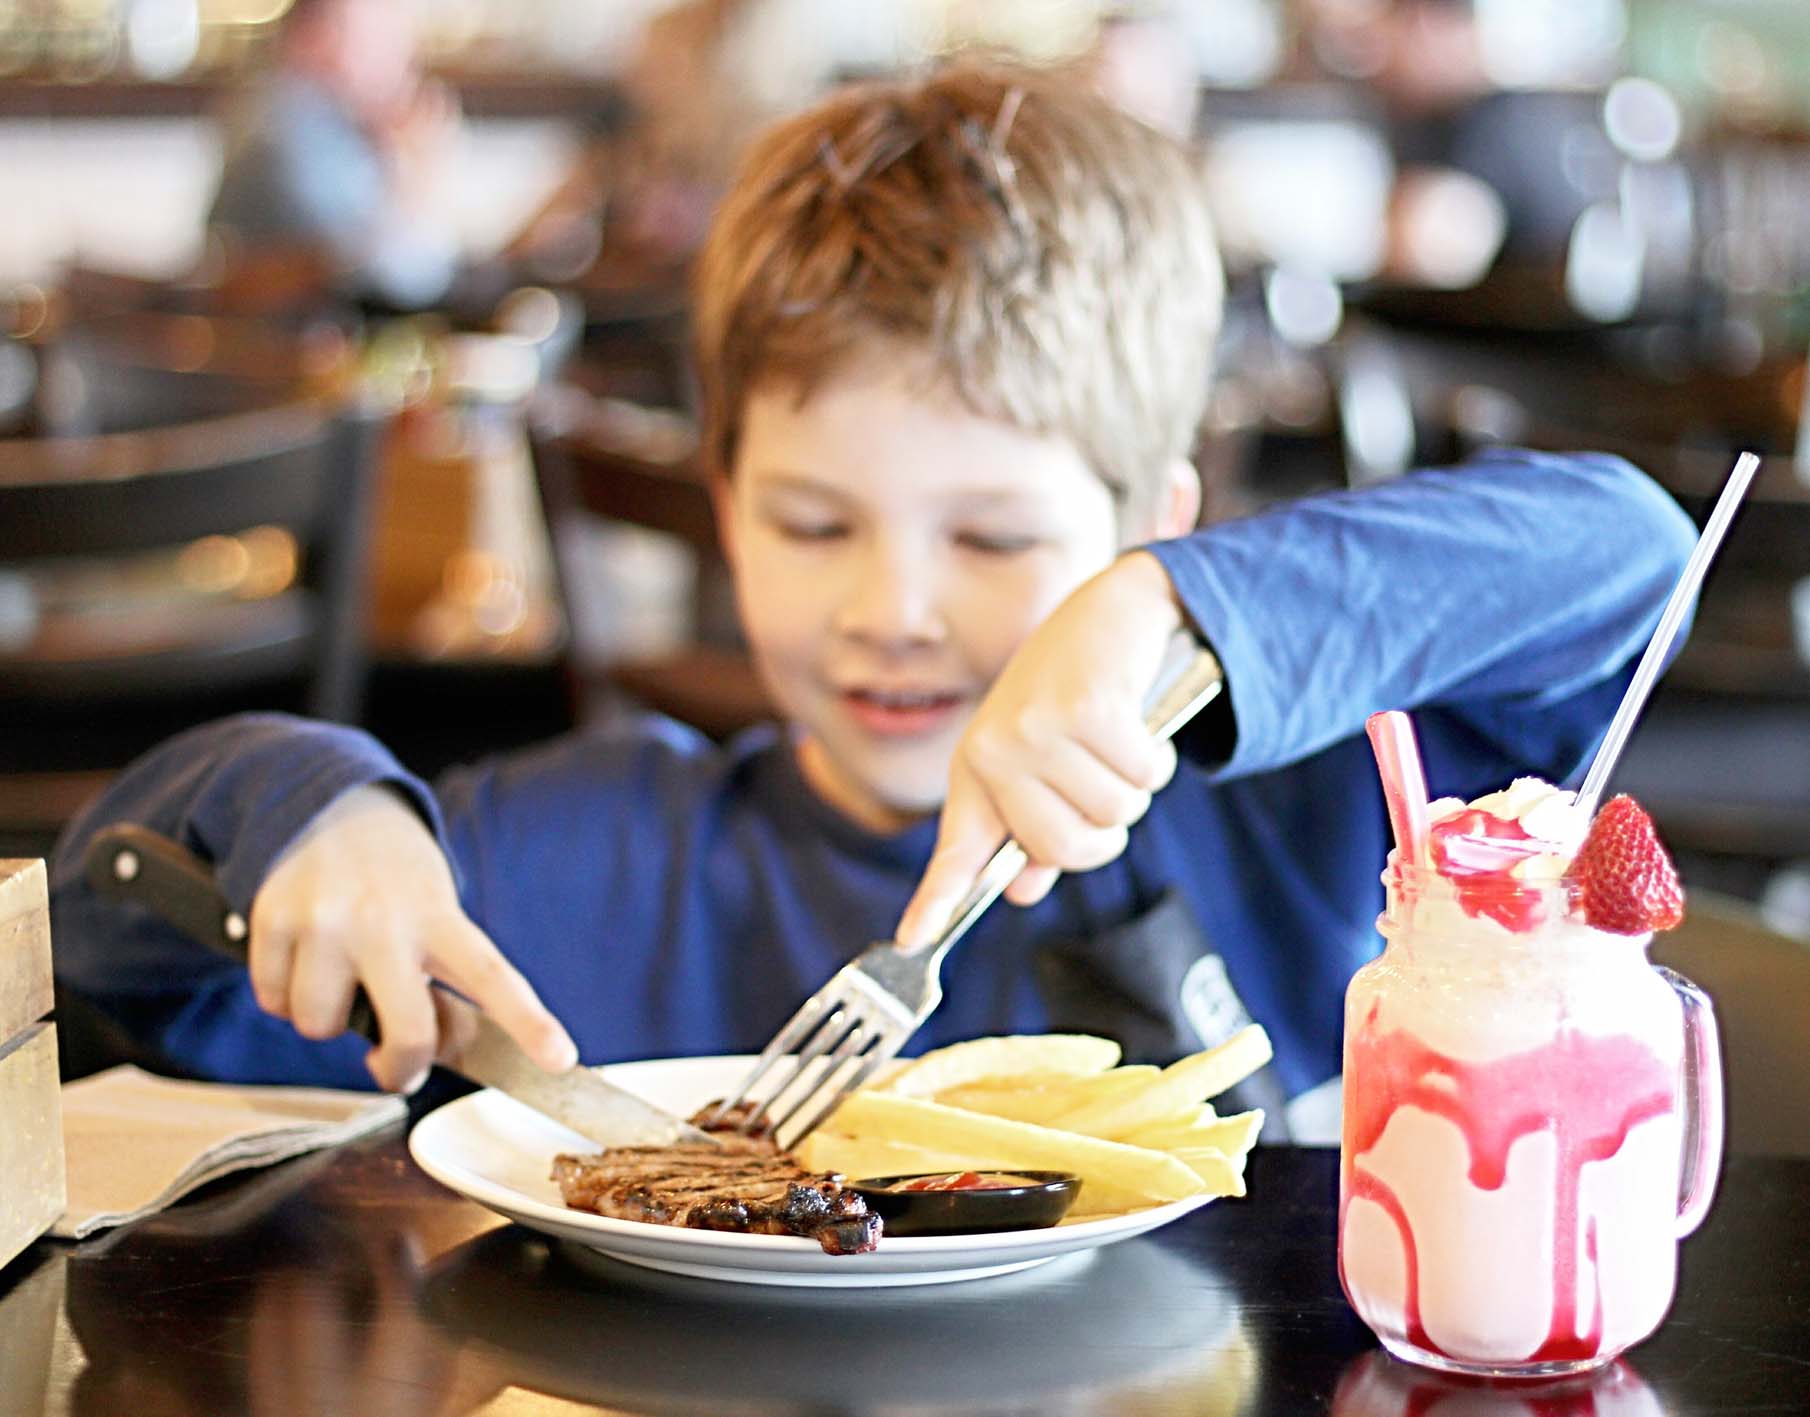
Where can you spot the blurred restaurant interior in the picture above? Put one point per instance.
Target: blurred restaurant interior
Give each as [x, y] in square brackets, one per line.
[460, 503]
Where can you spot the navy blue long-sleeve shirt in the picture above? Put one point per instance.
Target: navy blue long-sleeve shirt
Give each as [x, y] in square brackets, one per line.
[667, 896]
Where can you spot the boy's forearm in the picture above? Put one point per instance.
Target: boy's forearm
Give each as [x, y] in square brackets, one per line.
[1520, 580]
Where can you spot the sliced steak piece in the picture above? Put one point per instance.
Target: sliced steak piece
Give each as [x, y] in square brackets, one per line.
[745, 1185]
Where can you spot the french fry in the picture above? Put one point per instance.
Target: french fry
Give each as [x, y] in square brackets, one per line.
[1043, 1097]
[1232, 1135]
[1114, 1176]
[1222, 1174]
[871, 1157]
[1180, 1087]
[1070, 1054]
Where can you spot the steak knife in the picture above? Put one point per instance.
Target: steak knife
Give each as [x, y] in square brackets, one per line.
[134, 864]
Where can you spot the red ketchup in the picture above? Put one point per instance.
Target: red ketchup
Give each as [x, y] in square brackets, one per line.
[966, 1181]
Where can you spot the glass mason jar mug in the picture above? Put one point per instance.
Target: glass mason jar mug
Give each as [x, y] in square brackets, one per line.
[1519, 1092]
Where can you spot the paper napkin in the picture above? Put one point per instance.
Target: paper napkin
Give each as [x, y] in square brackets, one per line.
[134, 1143]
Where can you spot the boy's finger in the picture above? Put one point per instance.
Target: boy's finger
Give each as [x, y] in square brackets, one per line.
[271, 958]
[1051, 831]
[1032, 885]
[405, 1018]
[1101, 796]
[320, 988]
[394, 1073]
[1144, 762]
[464, 956]
[967, 837]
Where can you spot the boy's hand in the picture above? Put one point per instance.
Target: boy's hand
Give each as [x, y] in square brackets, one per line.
[1057, 755]
[364, 896]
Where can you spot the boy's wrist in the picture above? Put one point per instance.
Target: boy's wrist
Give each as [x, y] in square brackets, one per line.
[1212, 737]
[1143, 580]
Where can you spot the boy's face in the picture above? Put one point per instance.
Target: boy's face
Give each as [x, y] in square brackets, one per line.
[891, 549]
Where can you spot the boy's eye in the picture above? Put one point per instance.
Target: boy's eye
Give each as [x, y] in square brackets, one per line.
[800, 530]
[995, 543]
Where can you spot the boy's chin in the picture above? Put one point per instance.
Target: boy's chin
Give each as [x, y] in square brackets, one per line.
[882, 794]
[908, 794]
[926, 803]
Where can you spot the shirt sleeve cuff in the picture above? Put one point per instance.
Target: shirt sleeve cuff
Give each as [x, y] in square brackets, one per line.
[251, 845]
[1213, 611]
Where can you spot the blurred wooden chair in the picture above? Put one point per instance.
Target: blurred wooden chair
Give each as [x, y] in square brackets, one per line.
[155, 578]
[231, 280]
[635, 348]
[590, 468]
[64, 374]
[1759, 980]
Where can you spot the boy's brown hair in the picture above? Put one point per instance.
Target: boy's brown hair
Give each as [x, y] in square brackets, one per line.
[1053, 259]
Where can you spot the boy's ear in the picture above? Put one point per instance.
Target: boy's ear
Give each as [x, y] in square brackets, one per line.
[1178, 502]
[722, 503]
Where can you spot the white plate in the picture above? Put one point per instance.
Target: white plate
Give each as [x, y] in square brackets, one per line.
[499, 1153]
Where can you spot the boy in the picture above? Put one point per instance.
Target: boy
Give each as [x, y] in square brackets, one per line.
[954, 340]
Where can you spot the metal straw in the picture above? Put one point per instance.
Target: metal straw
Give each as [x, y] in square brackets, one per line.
[1660, 645]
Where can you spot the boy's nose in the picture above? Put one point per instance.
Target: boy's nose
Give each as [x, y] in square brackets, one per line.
[892, 601]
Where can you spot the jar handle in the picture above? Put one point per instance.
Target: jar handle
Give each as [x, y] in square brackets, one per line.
[1702, 1100]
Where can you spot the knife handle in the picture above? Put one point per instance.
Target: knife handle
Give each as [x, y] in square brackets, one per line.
[141, 867]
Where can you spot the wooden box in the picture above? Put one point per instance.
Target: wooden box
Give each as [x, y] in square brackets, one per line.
[31, 1125]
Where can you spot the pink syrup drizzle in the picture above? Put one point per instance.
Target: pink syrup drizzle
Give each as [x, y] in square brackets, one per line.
[1588, 1091]
[1474, 850]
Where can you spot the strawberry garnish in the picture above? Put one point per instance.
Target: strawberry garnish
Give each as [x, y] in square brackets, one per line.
[1627, 880]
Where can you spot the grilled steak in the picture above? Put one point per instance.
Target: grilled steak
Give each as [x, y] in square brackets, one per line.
[745, 1185]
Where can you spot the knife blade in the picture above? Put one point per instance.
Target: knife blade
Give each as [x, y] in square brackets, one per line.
[135, 864]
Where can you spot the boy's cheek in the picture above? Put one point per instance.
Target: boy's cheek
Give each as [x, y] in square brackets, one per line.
[775, 601]
[779, 640]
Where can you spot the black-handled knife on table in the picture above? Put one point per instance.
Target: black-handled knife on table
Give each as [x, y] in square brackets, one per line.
[140, 866]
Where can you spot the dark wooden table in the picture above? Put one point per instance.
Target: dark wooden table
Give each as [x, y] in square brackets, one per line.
[347, 1283]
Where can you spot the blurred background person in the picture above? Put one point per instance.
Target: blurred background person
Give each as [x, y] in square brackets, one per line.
[1142, 60]
[699, 79]
[647, 183]
[1495, 152]
[339, 152]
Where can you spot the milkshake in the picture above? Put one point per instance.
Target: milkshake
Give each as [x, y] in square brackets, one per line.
[1516, 1114]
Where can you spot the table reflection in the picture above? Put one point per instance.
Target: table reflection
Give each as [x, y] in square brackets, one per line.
[350, 1283]
[28, 1322]
[573, 1324]
[296, 1314]
[1376, 1385]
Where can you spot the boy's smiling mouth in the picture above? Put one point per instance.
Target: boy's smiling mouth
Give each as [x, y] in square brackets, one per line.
[902, 712]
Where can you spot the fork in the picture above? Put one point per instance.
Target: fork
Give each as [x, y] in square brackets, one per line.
[860, 1019]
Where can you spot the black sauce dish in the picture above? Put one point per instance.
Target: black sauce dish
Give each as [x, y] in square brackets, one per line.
[1041, 1199]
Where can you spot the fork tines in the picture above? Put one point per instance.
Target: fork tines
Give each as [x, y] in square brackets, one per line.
[835, 1042]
